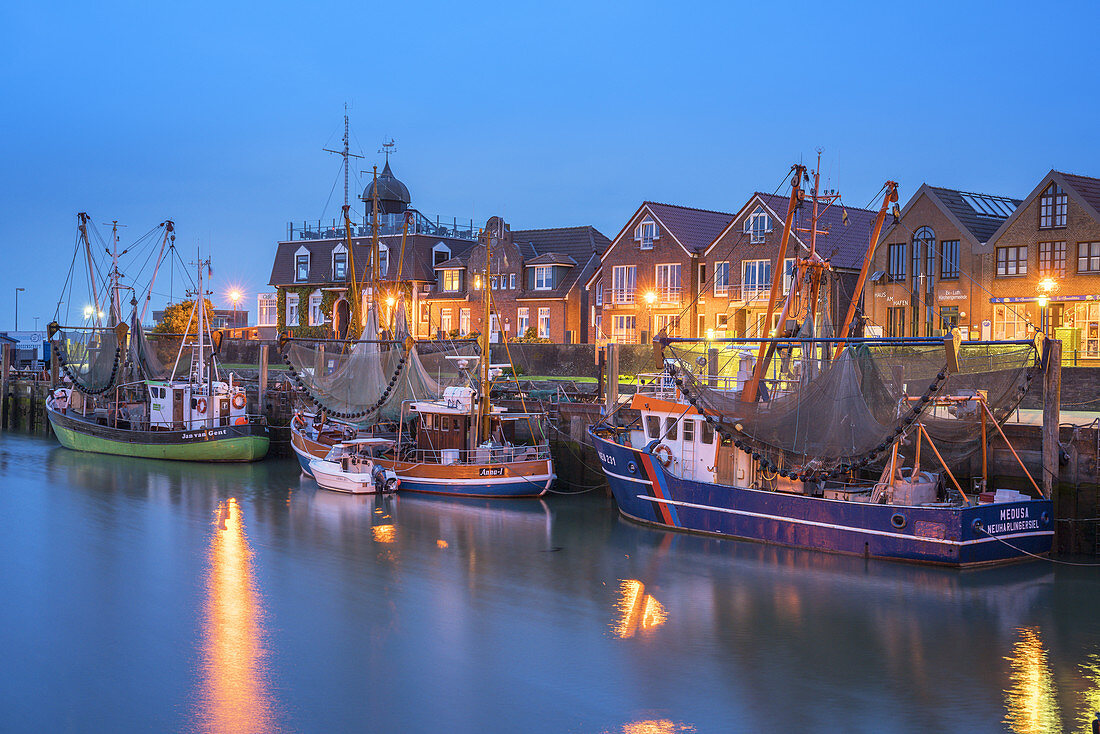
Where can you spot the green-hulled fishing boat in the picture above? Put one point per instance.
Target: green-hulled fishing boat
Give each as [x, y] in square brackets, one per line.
[121, 400]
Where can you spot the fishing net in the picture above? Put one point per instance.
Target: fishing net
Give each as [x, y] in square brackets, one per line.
[91, 357]
[820, 417]
[367, 380]
[145, 359]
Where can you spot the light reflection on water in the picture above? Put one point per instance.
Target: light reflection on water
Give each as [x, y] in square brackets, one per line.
[336, 612]
[234, 694]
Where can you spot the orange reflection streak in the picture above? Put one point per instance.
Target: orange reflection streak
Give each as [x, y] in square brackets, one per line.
[441, 543]
[234, 695]
[1031, 705]
[656, 726]
[383, 533]
[1090, 672]
[637, 610]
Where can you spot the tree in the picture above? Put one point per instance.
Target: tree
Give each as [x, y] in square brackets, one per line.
[176, 316]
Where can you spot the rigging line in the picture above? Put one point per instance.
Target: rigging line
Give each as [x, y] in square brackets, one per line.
[333, 189]
[1033, 555]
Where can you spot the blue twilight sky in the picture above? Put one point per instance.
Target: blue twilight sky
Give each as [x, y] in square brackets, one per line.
[550, 114]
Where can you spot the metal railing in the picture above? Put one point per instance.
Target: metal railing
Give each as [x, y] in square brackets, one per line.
[388, 224]
[480, 456]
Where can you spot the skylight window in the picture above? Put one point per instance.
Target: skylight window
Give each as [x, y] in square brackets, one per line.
[985, 205]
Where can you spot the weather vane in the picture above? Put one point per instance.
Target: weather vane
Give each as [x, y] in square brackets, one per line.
[388, 147]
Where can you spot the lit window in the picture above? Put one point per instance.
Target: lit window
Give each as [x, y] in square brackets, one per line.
[452, 281]
[622, 329]
[1052, 259]
[544, 323]
[623, 280]
[544, 277]
[464, 322]
[1053, 207]
[445, 320]
[668, 283]
[523, 321]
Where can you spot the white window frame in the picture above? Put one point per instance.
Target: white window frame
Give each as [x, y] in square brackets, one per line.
[383, 260]
[788, 274]
[267, 309]
[438, 248]
[340, 250]
[316, 318]
[445, 323]
[511, 281]
[292, 310]
[757, 225]
[667, 278]
[464, 322]
[624, 283]
[544, 277]
[544, 323]
[523, 320]
[646, 233]
[301, 252]
[722, 278]
[666, 320]
[624, 328]
[721, 322]
[451, 278]
[760, 285]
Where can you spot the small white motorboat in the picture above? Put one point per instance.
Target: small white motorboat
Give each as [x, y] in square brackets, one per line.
[353, 466]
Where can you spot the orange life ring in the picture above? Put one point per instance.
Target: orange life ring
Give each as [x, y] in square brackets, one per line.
[200, 405]
[299, 421]
[241, 421]
[664, 454]
[239, 400]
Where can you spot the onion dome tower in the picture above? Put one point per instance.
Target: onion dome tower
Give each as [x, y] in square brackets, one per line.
[393, 196]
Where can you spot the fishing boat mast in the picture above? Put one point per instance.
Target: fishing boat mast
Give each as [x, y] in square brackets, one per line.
[82, 218]
[353, 280]
[483, 428]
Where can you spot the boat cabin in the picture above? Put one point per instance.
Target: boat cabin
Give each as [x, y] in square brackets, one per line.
[183, 406]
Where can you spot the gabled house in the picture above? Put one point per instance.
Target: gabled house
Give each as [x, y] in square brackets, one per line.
[931, 269]
[1045, 265]
[535, 279]
[648, 277]
[738, 267]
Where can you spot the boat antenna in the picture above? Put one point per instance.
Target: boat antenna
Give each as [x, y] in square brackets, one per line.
[345, 153]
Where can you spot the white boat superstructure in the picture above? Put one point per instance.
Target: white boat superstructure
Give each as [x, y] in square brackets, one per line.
[352, 466]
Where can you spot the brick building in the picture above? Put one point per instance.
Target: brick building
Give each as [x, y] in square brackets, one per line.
[1049, 250]
[698, 273]
[535, 279]
[311, 271]
[930, 271]
[648, 277]
[738, 266]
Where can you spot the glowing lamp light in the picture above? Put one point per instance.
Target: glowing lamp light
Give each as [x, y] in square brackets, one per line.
[390, 301]
[1048, 284]
[88, 311]
[1044, 300]
[650, 297]
[710, 333]
[234, 295]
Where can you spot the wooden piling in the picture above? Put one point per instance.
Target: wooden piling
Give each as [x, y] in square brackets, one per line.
[5, 387]
[1052, 396]
[612, 377]
[261, 391]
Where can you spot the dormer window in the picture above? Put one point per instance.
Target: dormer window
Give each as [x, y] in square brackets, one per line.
[1053, 207]
[383, 260]
[452, 281]
[301, 265]
[757, 225]
[645, 233]
[440, 254]
[544, 277]
[340, 263]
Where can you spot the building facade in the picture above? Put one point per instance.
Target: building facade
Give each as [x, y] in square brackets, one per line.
[312, 270]
[1045, 262]
[535, 280]
[931, 271]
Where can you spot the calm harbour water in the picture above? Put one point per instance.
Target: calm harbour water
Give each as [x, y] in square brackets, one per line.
[152, 596]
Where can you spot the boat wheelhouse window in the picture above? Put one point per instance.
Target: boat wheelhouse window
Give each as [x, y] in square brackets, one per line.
[689, 430]
[454, 423]
[427, 420]
[708, 433]
[652, 426]
[670, 429]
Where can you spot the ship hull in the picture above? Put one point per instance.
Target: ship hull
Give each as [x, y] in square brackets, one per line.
[510, 479]
[244, 443]
[960, 537]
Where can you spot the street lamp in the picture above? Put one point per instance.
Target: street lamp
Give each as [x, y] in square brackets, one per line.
[1046, 287]
[234, 296]
[17, 291]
